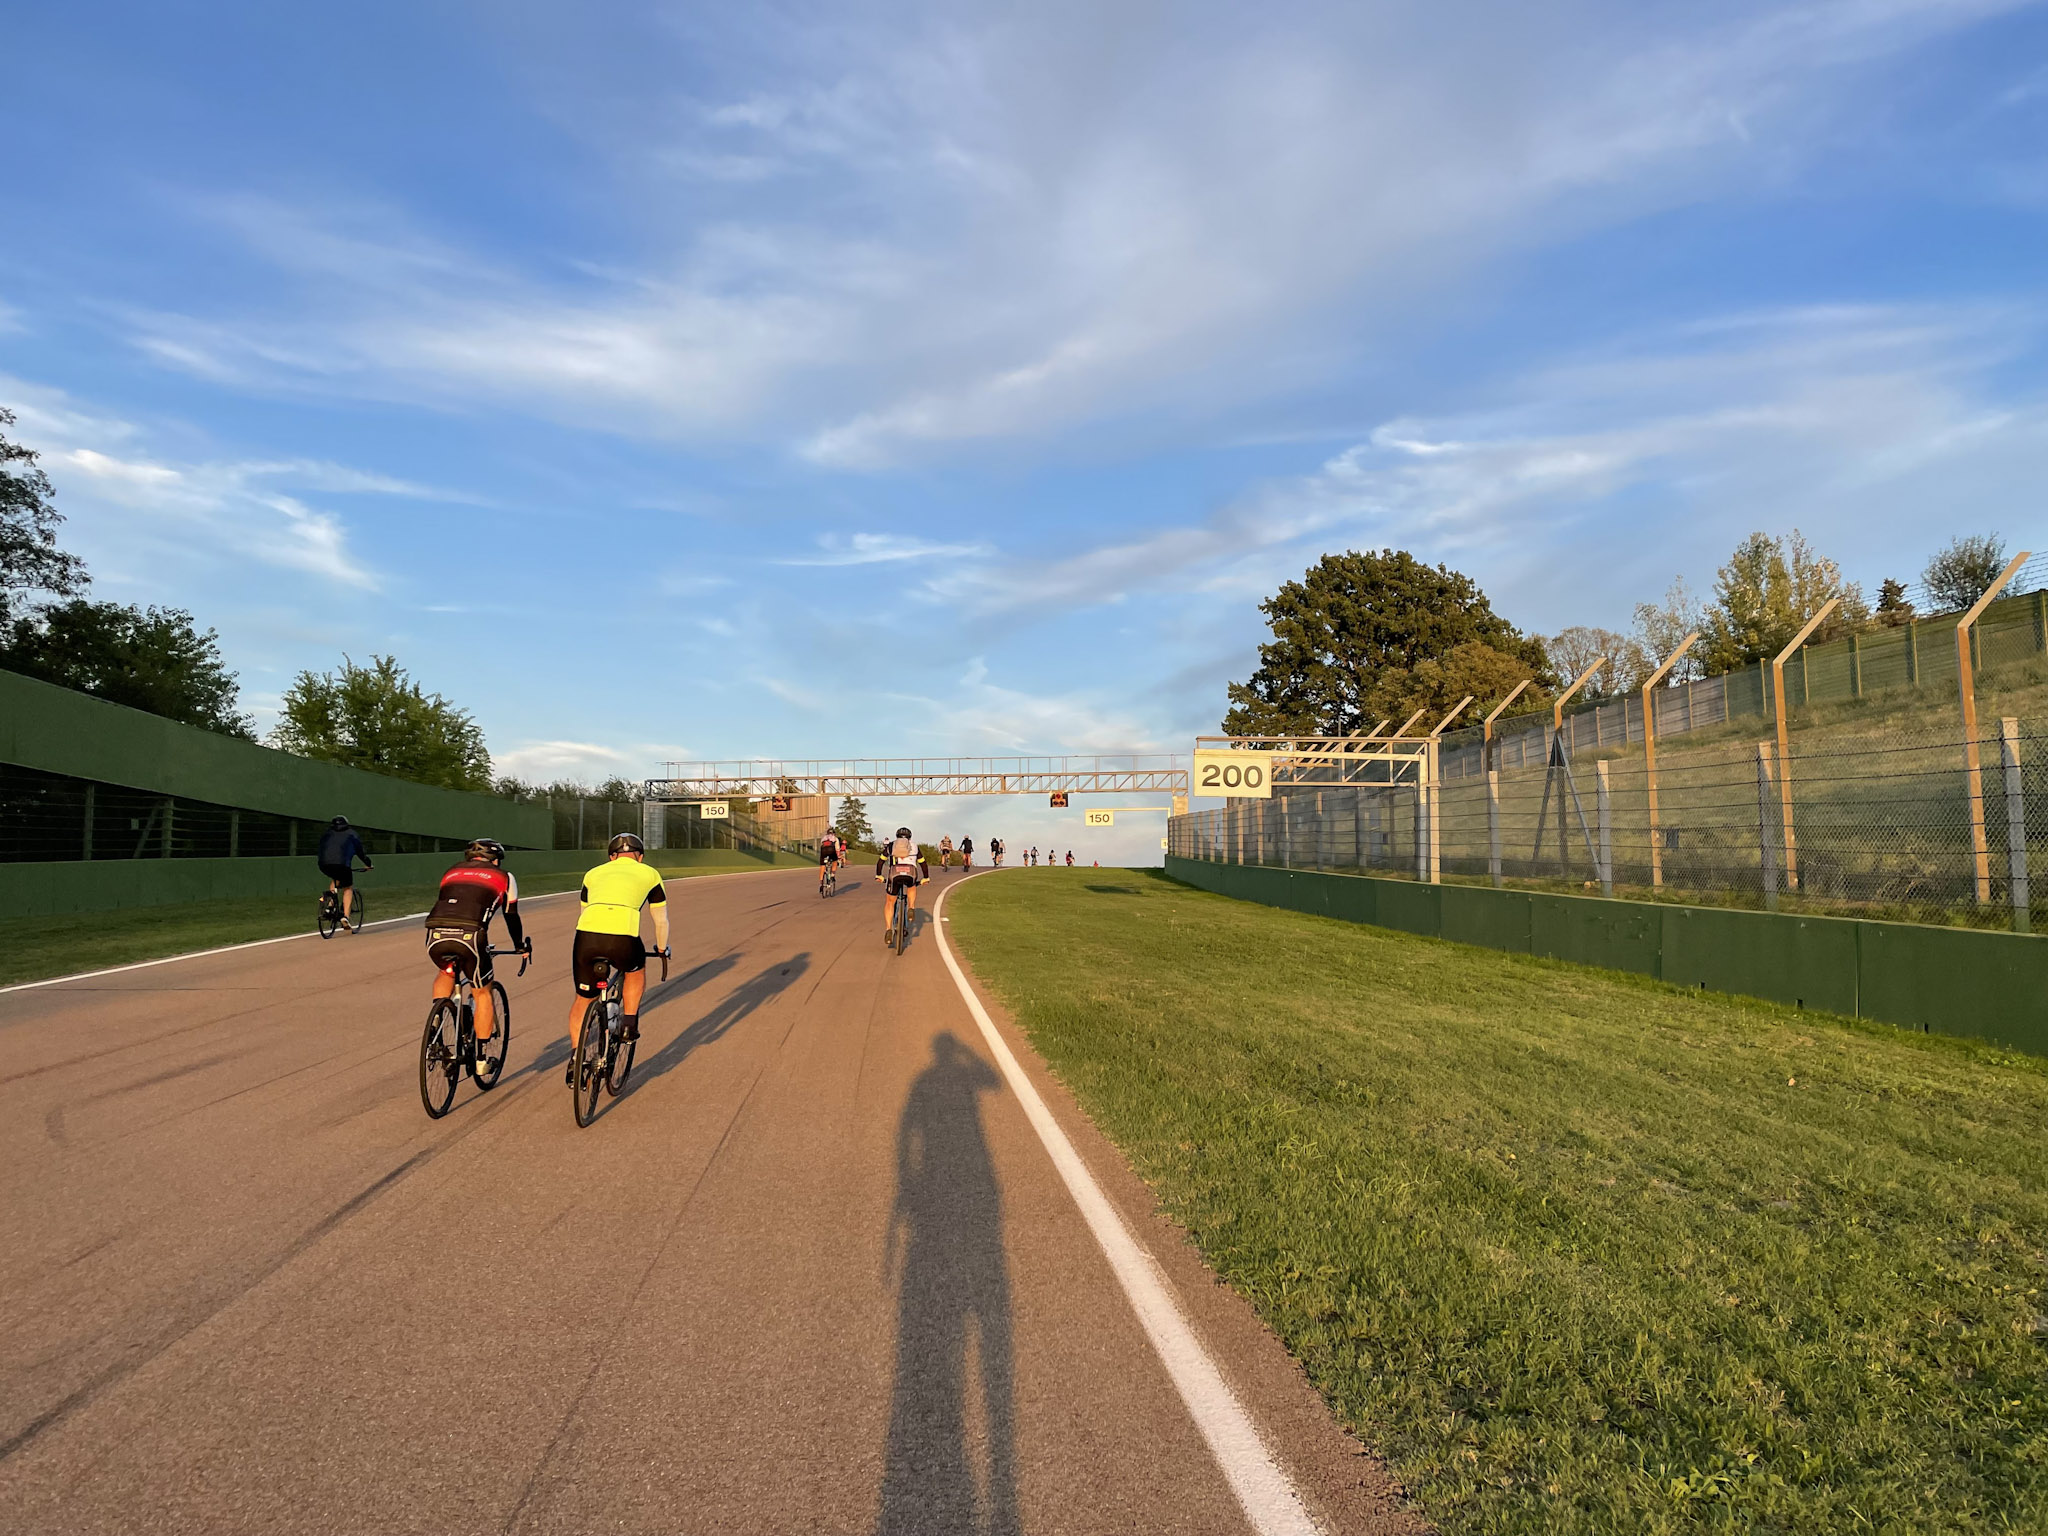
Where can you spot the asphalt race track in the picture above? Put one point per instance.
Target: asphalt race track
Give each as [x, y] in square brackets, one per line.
[813, 1271]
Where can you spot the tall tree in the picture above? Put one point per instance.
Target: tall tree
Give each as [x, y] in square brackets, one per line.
[1957, 576]
[1661, 628]
[1362, 637]
[30, 560]
[851, 823]
[377, 717]
[1574, 649]
[1768, 589]
[155, 659]
[1894, 608]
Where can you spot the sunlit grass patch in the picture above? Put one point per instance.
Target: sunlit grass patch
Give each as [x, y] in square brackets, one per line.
[1577, 1252]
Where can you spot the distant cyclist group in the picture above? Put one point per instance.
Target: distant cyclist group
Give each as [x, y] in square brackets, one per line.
[469, 1019]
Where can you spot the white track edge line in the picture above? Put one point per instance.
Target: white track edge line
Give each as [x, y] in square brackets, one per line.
[1263, 1490]
[286, 938]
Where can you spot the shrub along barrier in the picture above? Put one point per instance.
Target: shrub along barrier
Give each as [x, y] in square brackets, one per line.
[1953, 981]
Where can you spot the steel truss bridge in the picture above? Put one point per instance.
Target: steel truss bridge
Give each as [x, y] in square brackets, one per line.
[1115, 774]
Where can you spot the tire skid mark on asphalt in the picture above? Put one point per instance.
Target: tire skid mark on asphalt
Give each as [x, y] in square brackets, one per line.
[498, 1102]
[141, 1356]
[169, 1075]
[198, 1317]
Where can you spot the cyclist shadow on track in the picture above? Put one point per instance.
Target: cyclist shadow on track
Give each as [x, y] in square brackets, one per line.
[736, 1005]
[555, 1054]
[950, 1464]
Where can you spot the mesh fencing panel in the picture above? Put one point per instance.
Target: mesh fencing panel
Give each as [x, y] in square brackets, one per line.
[1885, 822]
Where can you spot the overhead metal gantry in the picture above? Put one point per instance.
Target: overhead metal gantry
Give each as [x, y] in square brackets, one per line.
[1103, 774]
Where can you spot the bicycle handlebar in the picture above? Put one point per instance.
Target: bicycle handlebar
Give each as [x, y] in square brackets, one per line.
[525, 954]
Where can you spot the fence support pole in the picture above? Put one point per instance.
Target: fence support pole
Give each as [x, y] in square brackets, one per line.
[1606, 806]
[1784, 740]
[1973, 769]
[1650, 751]
[1287, 832]
[85, 845]
[1358, 827]
[2016, 887]
[1768, 853]
[1429, 774]
[1319, 829]
[1493, 825]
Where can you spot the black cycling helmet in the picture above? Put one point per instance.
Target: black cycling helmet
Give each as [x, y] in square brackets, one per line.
[338, 823]
[903, 831]
[625, 842]
[487, 848]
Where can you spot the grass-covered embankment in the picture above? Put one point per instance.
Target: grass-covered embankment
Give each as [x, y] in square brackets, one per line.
[1575, 1252]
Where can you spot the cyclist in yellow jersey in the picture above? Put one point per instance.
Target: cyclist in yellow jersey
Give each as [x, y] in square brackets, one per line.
[609, 930]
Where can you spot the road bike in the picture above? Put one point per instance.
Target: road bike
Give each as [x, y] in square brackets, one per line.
[899, 921]
[331, 911]
[829, 886]
[449, 1043]
[603, 1054]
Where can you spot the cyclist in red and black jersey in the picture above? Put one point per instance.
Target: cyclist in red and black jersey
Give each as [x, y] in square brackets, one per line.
[459, 926]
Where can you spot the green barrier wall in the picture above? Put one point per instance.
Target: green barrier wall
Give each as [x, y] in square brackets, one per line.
[1954, 981]
[59, 731]
[46, 890]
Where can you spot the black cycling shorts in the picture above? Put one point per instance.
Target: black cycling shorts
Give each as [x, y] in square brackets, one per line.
[462, 951]
[900, 878]
[619, 952]
[828, 858]
[341, 874]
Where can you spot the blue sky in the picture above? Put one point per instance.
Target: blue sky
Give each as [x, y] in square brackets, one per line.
[719, 381]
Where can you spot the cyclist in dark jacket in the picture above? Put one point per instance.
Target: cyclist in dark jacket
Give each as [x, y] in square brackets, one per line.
[340, 847]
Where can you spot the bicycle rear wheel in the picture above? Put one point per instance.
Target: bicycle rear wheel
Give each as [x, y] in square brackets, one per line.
[440, 1061]
[621, 1067]
[489, 1064]
[588, 1082]
[330, 915]
[902, 924]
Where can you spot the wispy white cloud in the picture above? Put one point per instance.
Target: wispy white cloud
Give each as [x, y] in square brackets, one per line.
[882, 549]
[1854, 422]
[585, 762]
[242, 510]
[1043, 218]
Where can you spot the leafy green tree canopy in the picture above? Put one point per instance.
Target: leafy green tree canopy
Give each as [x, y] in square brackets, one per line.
[1766, 591]
[1372, 636]
[1957, 576]
[155, 659]
[30, 560]
[377, 717]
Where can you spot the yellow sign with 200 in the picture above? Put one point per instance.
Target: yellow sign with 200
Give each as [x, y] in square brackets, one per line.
[1245, 775]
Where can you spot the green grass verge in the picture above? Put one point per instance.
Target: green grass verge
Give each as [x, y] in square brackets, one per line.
[1575, 1252]
[34, 948]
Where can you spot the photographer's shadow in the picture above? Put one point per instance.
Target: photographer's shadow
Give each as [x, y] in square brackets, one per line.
[951, 1460]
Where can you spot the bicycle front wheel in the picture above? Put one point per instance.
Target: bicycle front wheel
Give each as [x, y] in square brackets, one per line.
[360, 912]
[489, 1063]
[440, 1060]
[588, 1081]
